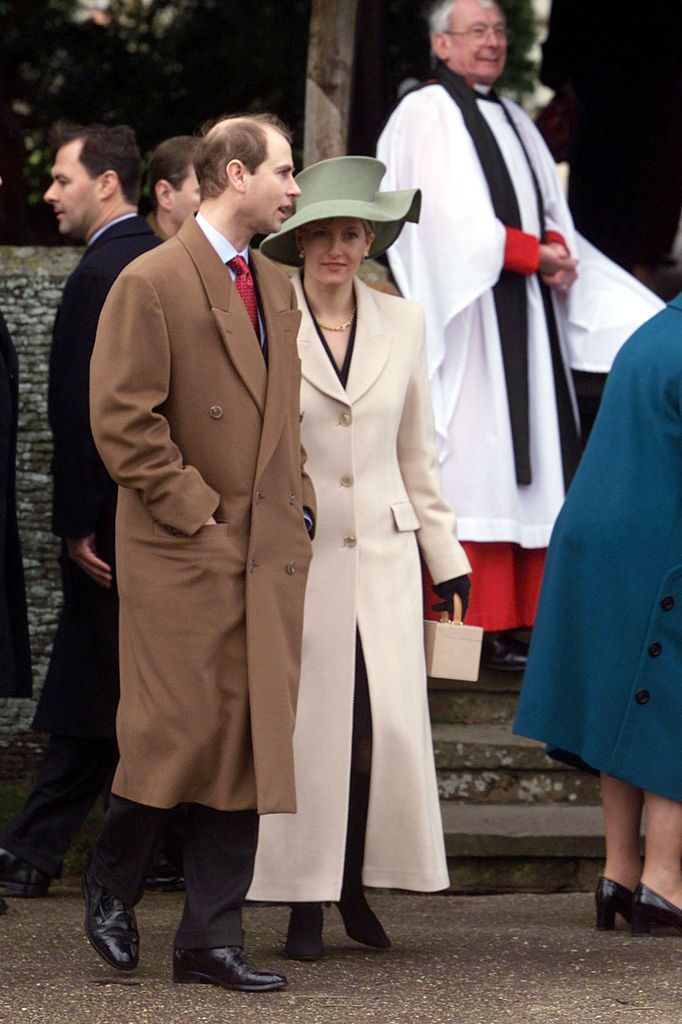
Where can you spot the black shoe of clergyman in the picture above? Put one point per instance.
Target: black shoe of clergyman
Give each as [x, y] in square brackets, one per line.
[504, 652]
[110, 925]
[19, 878]
[226, 966]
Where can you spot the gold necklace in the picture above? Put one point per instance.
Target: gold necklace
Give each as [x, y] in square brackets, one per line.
[336, 327]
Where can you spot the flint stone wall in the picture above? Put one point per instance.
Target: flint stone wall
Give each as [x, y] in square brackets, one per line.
[31, 283]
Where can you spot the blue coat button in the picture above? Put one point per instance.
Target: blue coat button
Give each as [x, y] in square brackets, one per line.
[642, 697]
[667, 603]
[655, 649]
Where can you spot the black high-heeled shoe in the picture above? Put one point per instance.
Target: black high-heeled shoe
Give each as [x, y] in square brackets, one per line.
[612, 898]
[360, 921]
[304, 936]
[648, 908]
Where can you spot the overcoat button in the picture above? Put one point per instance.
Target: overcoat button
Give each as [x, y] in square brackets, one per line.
[350, 541]
[291, 568]
[215, 412]
[253, 566]
[292, 497]
[259, 497]
[642, 697]
[345, 419]
[667, 603]
[346, 480]
[655, 649]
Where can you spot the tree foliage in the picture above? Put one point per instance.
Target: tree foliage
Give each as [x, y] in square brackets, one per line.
[164, 67]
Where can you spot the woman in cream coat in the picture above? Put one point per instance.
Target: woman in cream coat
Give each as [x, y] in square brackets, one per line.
[365, 779]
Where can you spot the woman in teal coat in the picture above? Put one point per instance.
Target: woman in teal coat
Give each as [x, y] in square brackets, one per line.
[603, 687]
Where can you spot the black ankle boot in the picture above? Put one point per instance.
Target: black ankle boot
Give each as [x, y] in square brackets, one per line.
[304, 936]
[360, 921]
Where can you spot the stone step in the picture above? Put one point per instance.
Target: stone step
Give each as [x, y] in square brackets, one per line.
[489, 764]
[491, 700]
[541, 848]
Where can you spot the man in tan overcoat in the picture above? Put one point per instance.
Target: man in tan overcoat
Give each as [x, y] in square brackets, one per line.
[195, 411]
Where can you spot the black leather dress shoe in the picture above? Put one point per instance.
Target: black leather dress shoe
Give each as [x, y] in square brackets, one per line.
[504, 652]
[19, 878]
[110, 925]
[649, 908]
[226, 966]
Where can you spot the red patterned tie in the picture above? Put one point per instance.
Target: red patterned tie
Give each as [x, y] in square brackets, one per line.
[243, 282]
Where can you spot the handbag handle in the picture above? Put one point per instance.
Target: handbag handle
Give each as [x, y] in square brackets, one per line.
[456, 619]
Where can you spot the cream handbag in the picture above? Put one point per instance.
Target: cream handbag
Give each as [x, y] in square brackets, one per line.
[453, 650]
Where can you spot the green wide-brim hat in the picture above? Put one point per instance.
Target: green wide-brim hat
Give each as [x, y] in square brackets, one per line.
[345, 186]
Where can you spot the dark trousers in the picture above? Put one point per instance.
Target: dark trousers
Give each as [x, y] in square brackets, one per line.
[218, 858]
[74, 773]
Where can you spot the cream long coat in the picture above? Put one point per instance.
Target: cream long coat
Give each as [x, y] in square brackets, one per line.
[372, 458]
[191, 425]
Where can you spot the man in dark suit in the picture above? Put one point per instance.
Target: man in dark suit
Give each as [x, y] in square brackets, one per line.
[94, 192]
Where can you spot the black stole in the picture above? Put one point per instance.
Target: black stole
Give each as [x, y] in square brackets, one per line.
[509, 294]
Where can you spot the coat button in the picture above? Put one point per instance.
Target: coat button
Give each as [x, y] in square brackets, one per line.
[259, 497]
[642, 697]
[350, 541]
[253, 566]
[667, 603]
[655, 649]
[291, 568]
[345, 419]
[215, 412]
[292, 498]
[346, 480]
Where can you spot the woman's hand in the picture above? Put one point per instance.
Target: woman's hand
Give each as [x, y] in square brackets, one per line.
[460, 585]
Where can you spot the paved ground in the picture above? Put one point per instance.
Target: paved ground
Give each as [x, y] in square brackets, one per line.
[465, 960]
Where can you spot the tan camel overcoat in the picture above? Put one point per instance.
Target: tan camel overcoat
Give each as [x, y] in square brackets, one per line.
[191, 425]
[372, 458]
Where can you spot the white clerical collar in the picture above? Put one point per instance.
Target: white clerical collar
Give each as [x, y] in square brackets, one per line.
[483, 89]
[222, 246]
[110, 224]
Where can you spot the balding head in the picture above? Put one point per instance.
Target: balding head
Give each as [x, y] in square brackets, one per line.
[235, 137]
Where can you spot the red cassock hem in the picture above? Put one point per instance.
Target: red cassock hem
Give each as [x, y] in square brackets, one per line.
[505, 585]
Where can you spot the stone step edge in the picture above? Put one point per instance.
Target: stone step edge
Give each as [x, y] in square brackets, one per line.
[510, 831]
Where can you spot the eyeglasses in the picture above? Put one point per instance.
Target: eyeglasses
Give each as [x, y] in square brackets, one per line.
[480, 32]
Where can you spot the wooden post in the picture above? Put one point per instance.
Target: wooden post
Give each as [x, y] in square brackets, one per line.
[331, 46]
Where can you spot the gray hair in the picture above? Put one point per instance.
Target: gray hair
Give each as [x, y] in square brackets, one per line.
[438, 13]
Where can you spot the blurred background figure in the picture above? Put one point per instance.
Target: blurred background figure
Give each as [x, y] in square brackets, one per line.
[94, 192]
[15, 653]
[173, 185]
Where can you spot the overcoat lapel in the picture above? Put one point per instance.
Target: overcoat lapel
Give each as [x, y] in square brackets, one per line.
[231, 318]
[315, 365]
[281, 325]
[370, 352]
[372, 347]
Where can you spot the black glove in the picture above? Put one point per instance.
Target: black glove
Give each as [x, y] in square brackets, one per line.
[460, 585]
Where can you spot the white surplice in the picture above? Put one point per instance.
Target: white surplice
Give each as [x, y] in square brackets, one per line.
[449, 263]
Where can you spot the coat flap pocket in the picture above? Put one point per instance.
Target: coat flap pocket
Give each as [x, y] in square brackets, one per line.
[405, 516]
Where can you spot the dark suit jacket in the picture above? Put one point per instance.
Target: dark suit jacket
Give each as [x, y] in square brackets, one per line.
[81, 690]
[15, 657]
